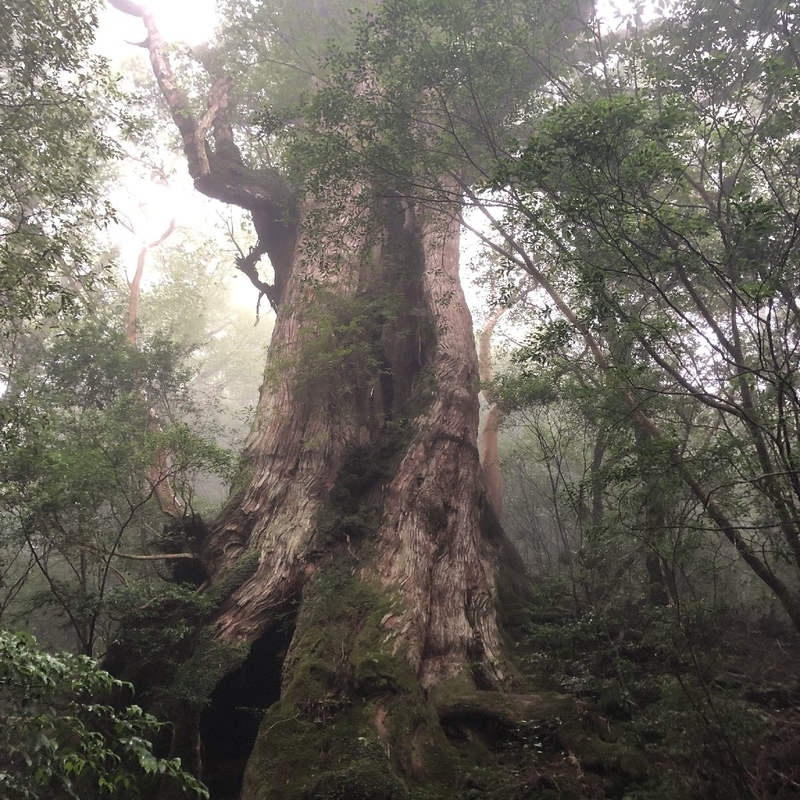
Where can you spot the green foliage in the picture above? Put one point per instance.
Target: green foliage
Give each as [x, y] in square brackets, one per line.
[90, 363]
[163, 644]
[658, 677]
[416, 91]
[391, 98]
[159, 620]
[661, 207]
[192, 304]
[79, 439]
[59, 104]
[63, 737]
[197, 677]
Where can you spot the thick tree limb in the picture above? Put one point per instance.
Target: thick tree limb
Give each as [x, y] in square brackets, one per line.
[217, 100]
[220, 172]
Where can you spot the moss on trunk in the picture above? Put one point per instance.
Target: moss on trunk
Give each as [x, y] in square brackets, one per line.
[354, 722]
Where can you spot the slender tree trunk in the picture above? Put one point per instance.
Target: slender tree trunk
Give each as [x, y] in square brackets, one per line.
[158, 472]
[490, 455]
[135, 283]
[785, 592]
[660, 576]
[489, 448]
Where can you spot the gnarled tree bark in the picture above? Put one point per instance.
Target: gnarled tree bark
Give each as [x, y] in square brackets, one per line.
[362, 510]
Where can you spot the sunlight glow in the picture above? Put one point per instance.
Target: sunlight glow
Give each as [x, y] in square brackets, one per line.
[189, 21]
[616, 14]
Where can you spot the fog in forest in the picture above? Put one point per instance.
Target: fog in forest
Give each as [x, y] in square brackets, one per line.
[398, 400]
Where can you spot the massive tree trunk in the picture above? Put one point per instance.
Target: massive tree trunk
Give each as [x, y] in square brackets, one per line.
[365, 446]
[358, 539]
[365, 503]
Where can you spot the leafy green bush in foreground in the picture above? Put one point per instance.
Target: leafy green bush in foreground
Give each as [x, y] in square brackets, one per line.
[61, 739]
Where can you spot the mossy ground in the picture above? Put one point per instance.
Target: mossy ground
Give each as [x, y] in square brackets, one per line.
[353, 722]
[336, 731]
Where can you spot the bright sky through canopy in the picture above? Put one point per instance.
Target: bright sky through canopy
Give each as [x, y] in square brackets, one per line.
[193, 21]
[188, 21]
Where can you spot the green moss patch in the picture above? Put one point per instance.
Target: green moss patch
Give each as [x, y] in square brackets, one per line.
[364, 780]
[352, 717]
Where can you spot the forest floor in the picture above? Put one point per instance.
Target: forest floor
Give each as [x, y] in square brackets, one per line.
[711, 699]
